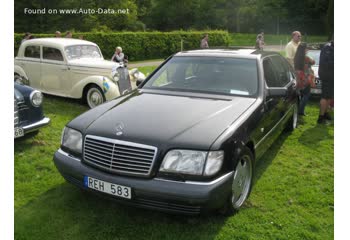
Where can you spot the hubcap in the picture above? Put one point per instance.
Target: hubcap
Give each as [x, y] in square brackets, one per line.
[94, 97]
[295, 116]
[241, 181]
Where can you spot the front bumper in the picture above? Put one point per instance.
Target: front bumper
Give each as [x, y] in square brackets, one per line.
[35, 126]
[164, 195]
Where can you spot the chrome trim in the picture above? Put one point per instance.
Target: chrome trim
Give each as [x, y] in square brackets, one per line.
[16, 116]
[68, 155]
[274, 127]
[35, 126]
[227, 175]
[149, 158]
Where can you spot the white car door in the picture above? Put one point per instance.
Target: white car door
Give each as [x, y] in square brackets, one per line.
[54, 72]
[31, 64]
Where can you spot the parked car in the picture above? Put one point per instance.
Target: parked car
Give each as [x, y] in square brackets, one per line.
[187, 140]
[28, 112]
[69, 68]
[315, 54]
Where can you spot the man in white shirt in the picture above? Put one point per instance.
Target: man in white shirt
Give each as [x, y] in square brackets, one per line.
[292, 46]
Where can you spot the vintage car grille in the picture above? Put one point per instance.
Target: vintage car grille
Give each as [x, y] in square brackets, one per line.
[119, 156]
[16, 113]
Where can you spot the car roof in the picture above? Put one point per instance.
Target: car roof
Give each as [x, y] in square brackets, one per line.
[241, 53]
[57, 41]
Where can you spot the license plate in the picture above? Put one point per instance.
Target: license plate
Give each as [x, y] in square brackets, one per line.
[19, 132]
[107, 187]
[316, 91]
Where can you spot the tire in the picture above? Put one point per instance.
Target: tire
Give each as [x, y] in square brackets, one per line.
[241, 183]
[293, 122]
[94, 96]
[18, 79]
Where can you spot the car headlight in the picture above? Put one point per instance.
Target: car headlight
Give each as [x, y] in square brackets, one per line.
[72, 139]
[192, 162]
[36, 98]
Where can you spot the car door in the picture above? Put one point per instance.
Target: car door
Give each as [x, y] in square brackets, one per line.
[276, 75]
[31, 64]
[54, 75]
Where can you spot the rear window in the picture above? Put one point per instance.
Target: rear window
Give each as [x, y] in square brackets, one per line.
[32, 52]
[217, 75]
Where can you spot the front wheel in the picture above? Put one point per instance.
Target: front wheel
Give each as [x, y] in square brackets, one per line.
[94, 96]
[241, 182]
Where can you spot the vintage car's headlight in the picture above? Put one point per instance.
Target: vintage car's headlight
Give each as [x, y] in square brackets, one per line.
[36, 98]
[192, 162]
[72, 139]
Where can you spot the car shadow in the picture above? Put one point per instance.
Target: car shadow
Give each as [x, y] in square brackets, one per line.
[65, 212]
[313, 136]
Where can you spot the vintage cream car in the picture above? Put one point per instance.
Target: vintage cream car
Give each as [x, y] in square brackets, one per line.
[67, 67]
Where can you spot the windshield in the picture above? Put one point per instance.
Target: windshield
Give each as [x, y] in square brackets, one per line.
[82, 51]
[315, 55]
[218, 75]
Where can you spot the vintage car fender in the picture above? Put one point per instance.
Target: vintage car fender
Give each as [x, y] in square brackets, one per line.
[19, 70]
[109, 88]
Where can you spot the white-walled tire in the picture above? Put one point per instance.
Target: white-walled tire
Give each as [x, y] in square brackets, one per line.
[94, 96]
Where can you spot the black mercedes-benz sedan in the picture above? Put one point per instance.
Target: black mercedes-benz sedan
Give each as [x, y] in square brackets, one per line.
[28, 112]
[187, 140]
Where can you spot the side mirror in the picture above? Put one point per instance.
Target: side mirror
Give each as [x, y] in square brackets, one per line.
[277, 91]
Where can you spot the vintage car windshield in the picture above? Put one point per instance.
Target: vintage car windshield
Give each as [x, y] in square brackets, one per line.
[82, 51]
[217, 75]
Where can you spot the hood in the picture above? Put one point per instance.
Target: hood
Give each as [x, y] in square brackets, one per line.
[92, 63]
[156, 119]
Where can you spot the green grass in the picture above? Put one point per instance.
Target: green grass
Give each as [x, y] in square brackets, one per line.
[292, 197]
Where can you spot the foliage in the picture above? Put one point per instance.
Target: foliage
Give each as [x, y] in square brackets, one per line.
[145, 45]
[241, 16]
[292, 196]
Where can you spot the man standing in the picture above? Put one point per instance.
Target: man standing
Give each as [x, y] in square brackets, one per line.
[292, 46]
[204, 41]
[326, 74]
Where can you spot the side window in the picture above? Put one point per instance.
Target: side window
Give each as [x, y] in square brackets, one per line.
[50, 53]
[269, 73]
[32, 52]
[282, 71]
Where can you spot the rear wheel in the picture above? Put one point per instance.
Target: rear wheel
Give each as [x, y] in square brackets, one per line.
[94, 96]
[241, 183]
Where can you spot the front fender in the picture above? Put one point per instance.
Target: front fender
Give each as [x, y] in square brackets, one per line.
[20, 71]
[109, 88]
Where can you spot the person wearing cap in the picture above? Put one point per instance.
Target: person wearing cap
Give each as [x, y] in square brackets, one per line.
[118, 55]
[26, 37]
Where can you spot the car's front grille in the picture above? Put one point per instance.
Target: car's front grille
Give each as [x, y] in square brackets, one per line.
[16, 113]
[119, 156]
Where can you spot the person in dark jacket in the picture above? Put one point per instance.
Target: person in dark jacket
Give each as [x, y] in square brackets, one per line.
[326, 74]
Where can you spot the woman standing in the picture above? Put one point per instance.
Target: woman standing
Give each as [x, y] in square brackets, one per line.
[118, 55]
[305, 75]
